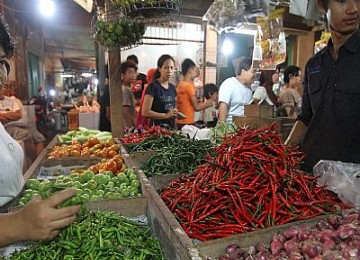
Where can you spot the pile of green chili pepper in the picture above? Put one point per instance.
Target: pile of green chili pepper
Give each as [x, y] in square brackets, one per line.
[97, 235]
[183, 155]
[253, 182]
[153, 143]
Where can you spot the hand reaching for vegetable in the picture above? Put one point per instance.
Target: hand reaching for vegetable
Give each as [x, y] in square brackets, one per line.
[171, 113]
[38, 220]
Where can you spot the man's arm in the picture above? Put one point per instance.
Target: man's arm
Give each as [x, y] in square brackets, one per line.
[6, 117]
[223, 112]
[129, 120]
[200, 106]
[38, 220]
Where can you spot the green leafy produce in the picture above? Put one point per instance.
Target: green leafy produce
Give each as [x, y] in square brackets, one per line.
[97, 235]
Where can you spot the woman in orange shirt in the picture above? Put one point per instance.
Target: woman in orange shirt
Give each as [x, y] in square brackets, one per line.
[187, 102]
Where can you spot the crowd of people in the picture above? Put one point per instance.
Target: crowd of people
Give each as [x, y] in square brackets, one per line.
[153, 100]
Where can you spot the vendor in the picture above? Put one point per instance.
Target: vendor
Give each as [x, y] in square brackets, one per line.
[328, 127]
[40, 219]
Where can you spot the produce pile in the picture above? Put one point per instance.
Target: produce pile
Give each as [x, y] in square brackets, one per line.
[83, 134]
[182, 155]
[253, 182]
[140, 136]
[90, 187]
[336, 237]
[97, 235]
[93, 147]
[119, 33]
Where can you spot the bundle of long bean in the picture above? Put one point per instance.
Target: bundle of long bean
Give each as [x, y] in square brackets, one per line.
[97, 235]
[253, 182]
[183, 155]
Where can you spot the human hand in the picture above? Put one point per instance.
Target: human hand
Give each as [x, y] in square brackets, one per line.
[171, 113]
[41, 219]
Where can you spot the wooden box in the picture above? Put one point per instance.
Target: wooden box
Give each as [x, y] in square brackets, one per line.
[73, 119]
[186, 248]
[259, 110]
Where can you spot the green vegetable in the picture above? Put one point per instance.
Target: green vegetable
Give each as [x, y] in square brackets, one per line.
[97, 235]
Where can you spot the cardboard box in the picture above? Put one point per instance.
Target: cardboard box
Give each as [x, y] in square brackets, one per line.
[89, 120]
[259, 110]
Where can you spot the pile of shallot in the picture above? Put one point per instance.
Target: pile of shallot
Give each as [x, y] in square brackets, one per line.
[335, 237]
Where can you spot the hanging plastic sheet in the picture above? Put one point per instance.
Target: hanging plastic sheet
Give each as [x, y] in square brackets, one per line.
[299, 8]
[312, 12]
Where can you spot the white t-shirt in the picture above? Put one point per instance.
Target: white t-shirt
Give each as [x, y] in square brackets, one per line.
[235, 95]
[12, 159]
[260, 94]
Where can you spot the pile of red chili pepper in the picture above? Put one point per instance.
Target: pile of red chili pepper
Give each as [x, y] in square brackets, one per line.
[254, 182]
[141, 135]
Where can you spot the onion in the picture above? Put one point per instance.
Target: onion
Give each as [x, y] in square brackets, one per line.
[326, 235]
[303, 235]
[347, 230]
[352, 217]
[311, 248]
[276, 245]
[334, 221]
[291, 246]
[233, 249]
[262, 256]
[323, 225]
[332, 255]
[350, 253]
[328, 245]
[291, 232]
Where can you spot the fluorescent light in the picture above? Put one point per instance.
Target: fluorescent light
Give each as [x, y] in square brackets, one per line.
[52, 92]
[227, 47]
[47, 7]
[86, 74]
[66, 76]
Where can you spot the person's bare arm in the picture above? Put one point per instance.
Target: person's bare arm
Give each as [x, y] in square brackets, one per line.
[38, 220]
[10, 116]
[128, 118]
[200, 106]
[223, 112]
[297, 133]
[147, 112]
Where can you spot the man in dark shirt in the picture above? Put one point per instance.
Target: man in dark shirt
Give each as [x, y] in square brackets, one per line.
[329, 125]
[137, 85]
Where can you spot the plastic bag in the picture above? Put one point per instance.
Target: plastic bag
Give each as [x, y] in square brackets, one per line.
[196, 133]
[341, 178]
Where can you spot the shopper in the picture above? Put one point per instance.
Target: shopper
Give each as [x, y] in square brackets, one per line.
[142, 121]
[235, 92]
[187, 102]
[160, 96]
[138, 84]
[40, 219]
[211, 92]
[128, 72]
[328, 127]
[289, 96]
[264, 91]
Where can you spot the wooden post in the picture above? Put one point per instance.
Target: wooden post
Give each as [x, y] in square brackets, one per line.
[115, 85]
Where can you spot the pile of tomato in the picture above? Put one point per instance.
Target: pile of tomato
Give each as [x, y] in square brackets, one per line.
[91, 148]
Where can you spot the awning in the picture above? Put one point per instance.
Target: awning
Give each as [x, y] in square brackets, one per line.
[86, 4]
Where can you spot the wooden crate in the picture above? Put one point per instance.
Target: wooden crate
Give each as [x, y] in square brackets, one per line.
[137, 159]
[185, 246]
[259, 110]
[73, 119]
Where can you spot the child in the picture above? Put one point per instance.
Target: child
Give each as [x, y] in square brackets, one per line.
[211, 91]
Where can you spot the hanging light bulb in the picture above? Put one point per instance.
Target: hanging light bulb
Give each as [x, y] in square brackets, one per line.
[227, 46]
[47, 7]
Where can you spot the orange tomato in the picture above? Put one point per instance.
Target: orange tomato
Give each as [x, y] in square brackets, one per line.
[112, 153]
[111, 166]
